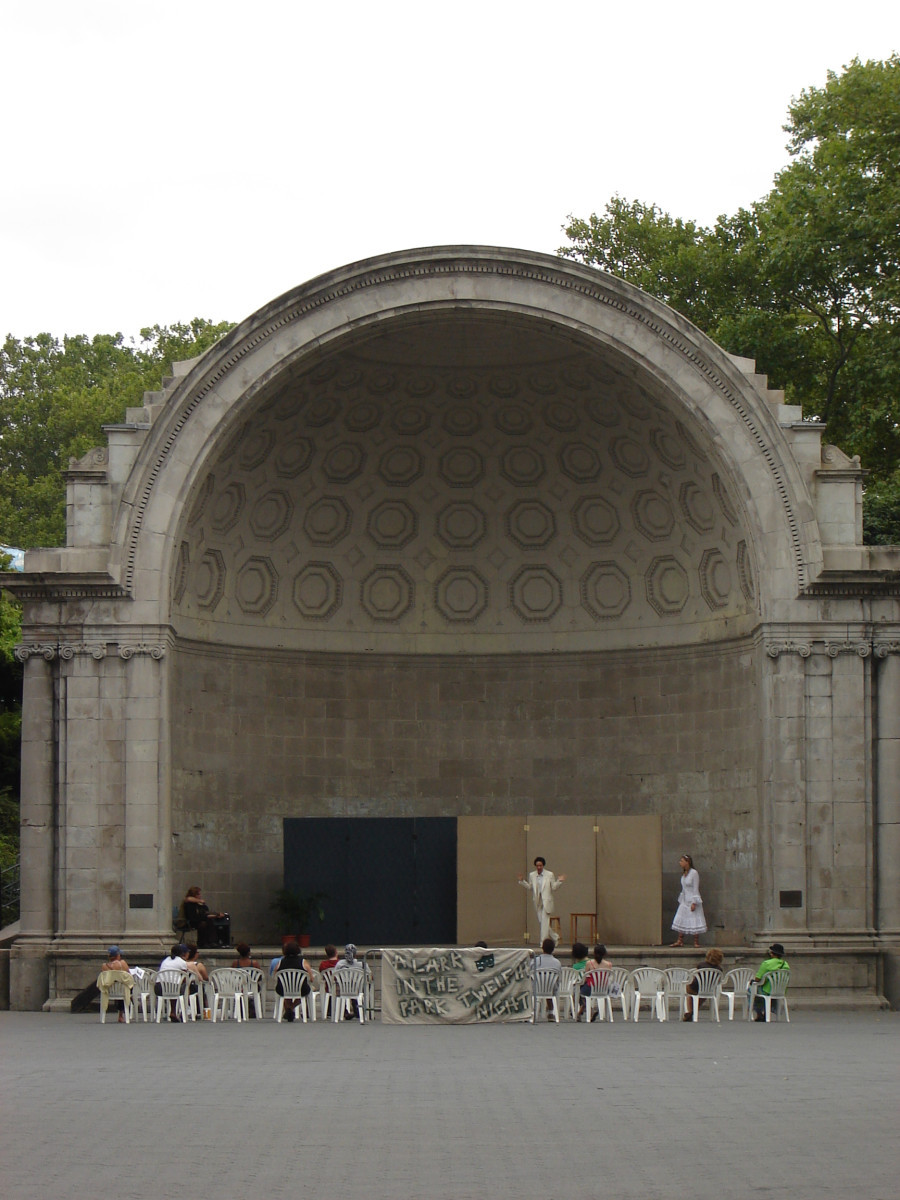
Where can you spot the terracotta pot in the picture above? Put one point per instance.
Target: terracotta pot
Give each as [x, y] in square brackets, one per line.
[302, 939]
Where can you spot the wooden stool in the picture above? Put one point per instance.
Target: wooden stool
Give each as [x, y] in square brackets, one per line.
[573, 925]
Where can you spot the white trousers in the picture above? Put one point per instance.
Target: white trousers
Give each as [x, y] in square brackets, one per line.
[546, 931]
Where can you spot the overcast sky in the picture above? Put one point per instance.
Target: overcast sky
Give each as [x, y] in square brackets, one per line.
[173, 159]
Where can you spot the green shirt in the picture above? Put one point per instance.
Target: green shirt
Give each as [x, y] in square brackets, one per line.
[770, 964]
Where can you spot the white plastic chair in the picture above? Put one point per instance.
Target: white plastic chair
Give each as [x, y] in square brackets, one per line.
[778, 983]
[676, 983]
[739, 979]
[289, 985]
[570, 982]
[600, 983]
[709, 987]
[349, 985]
[255, 990]
[170, 985]
[119, 990]
[312, 1000]
[143, 995]
[546, 981]
[229, 990]
[326, 990]
[619, 988]
[648, 983]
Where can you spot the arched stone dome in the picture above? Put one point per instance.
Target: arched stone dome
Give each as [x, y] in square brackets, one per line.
[464, 483]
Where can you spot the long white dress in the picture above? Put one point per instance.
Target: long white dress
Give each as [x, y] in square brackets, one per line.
[685, 920]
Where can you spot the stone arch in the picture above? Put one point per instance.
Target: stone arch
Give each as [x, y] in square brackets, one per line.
[718, 409]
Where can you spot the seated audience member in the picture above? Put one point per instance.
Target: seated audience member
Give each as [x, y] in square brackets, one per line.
[775, 962]
[244, 956]
[194, 965]
[245, 959]
[350, 960]
[579, 956]
[547, 961]
[115, 962]
[198, 975]
[197, 916]
[176, 961]
[330, 960]
[714, 958]
[292, 959]
[597, 963]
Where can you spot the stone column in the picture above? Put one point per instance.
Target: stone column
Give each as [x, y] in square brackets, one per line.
[29, 970]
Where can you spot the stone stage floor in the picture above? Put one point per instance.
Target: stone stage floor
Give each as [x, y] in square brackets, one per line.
[464, 1113]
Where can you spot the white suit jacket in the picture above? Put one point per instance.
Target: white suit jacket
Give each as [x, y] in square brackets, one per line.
[542, 888]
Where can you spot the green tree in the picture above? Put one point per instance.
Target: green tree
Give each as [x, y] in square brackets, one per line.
[55, 397]
[806, 280]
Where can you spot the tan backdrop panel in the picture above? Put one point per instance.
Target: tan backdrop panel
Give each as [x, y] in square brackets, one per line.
[629, 880]
[567, 844]
[490, 907]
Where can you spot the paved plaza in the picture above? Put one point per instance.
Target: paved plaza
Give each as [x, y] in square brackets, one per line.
[469, 1113]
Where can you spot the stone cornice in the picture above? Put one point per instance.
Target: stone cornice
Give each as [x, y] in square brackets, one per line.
[860, 584]
[62, 586]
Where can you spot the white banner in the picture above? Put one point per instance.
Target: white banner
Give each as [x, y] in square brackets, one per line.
[459, 986]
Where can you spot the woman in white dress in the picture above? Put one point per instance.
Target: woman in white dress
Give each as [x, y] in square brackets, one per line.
[689, 918]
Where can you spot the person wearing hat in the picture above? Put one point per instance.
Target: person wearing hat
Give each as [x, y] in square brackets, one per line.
[775, 962]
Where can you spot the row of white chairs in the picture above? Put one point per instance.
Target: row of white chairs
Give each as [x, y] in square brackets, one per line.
[657, 989]
[230, 991]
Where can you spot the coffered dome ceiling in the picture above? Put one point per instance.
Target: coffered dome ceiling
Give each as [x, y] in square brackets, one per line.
[464, 484]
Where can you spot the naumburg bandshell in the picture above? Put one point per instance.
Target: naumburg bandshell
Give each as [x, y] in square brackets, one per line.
[458, 532]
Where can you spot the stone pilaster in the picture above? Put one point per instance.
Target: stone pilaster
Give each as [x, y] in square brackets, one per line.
[29, 964]
[887, 789]
[820, 717]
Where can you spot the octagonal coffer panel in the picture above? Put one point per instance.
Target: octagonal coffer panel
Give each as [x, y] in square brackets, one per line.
[462, 506]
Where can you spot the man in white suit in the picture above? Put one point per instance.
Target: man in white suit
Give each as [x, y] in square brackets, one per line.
[542, 884]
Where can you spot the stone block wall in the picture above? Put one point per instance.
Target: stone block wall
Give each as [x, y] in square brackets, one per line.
[261, 736]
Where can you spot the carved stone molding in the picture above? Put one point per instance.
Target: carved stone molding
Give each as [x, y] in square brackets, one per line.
[788, 646]
[862, 647]
[66, 651]
[833, 649]
[155, 652]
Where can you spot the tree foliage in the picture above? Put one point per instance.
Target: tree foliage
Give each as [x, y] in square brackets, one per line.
[806, 280]
[55, 397]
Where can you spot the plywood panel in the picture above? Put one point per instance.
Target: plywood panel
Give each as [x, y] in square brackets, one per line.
[629, 880]
[568, 845]
[490, 906]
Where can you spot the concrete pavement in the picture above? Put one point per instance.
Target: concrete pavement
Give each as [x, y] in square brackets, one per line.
[463, 1113]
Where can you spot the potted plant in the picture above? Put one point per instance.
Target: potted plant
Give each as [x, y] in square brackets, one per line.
[296, 913]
